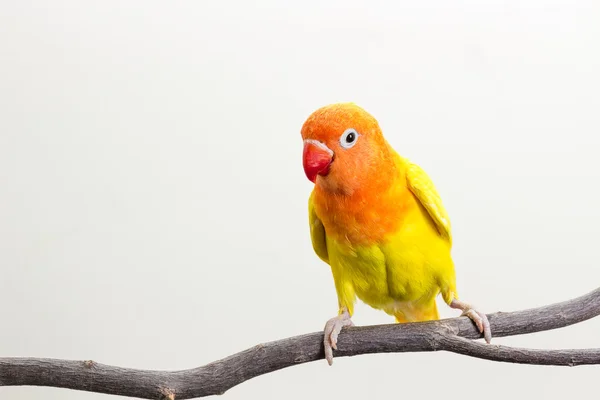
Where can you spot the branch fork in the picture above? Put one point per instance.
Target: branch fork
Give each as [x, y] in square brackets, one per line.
[453, 335]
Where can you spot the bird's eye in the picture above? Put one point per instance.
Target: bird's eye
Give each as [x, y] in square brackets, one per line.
[349, 138]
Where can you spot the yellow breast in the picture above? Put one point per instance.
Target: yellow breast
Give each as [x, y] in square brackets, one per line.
[397, 273]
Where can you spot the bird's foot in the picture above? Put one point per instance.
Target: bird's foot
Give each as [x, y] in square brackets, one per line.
[333, 327]
[479, 318]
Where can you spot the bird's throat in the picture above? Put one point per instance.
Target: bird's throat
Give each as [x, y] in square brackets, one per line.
[363, 217]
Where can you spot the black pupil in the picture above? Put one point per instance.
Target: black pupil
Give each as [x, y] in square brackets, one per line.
[350, 137]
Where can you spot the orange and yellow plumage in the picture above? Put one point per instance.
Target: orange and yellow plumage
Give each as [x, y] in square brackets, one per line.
[375, 218]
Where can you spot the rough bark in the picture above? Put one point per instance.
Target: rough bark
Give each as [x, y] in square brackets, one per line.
[453, 335]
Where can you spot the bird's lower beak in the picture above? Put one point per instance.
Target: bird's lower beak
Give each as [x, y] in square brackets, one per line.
[316, 159]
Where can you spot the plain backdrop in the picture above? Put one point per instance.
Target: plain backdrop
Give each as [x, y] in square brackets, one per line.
[153, 206]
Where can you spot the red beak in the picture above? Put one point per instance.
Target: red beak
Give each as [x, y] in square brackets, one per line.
[316, 159]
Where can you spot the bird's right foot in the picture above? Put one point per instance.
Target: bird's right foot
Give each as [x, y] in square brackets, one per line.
[333, 327]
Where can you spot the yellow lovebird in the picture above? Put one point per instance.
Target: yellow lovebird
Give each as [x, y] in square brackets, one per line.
[378, 221]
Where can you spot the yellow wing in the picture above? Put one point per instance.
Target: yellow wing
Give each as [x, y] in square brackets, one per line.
[422, 187]
[317, 232]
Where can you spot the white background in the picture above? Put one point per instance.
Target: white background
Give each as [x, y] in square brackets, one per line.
[153, 207]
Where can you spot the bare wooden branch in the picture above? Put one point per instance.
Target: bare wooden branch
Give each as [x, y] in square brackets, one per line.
[215, 378]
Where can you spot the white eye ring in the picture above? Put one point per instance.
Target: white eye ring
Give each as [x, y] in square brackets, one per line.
[349, 138]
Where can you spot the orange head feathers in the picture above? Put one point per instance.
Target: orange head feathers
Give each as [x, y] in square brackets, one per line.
[344, 149]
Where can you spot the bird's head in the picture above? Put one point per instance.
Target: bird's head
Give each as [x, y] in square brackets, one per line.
[343, 147]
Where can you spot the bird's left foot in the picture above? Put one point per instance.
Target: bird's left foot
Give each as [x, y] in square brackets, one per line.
[479, 318]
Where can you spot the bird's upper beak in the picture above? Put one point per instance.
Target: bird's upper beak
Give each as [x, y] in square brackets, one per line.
[316, 159]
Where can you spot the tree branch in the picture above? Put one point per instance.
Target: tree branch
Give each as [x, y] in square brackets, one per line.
[215, 378]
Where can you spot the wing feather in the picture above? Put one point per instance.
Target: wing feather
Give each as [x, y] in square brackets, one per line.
[317, 232]
[424, 190]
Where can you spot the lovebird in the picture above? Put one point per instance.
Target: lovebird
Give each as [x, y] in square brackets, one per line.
[378, 221]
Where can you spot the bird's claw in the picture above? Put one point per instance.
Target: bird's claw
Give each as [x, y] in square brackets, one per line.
[333, 327]
[479, 319]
